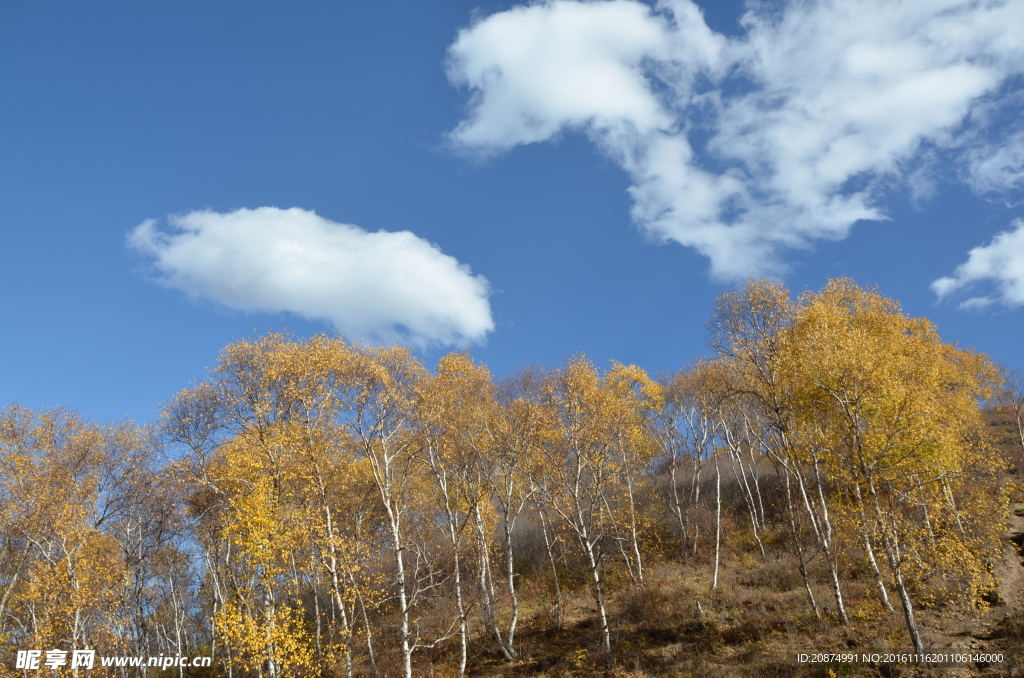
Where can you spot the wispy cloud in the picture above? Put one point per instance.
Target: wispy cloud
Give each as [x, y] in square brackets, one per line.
[380, 286]
[998, 168]
[1000, 264]
[745, 147]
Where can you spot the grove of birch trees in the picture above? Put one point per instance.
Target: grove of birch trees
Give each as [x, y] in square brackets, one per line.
[321, 508]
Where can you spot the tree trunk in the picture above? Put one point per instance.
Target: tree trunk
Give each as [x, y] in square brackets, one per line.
[676, 506]
[869, 550]
[718, 522]
[366, 624]
[798, 547]
[908, 607]
[487, 586]
[511, 577]
[594, 560]
[554, 570]
[634, 533]
[694, 500]
[829, 545]
[339, 602]
[889, 541]
[403, 602]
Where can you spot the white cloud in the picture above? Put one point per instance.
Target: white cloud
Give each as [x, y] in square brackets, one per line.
[744, 147]
[1000, 263]
[538, 69]
[997, 167]
[385, 287]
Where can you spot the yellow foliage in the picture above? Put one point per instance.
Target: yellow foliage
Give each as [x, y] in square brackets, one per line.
[265, 636]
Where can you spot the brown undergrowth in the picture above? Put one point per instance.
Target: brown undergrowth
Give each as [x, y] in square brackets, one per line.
[755, 624]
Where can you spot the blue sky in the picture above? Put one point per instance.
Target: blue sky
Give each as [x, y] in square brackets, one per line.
[549, 179]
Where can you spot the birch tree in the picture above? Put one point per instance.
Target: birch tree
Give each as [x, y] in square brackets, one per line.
[588, 417]
[899, 412]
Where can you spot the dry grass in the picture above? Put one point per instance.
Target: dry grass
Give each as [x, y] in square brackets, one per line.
[755, 624]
